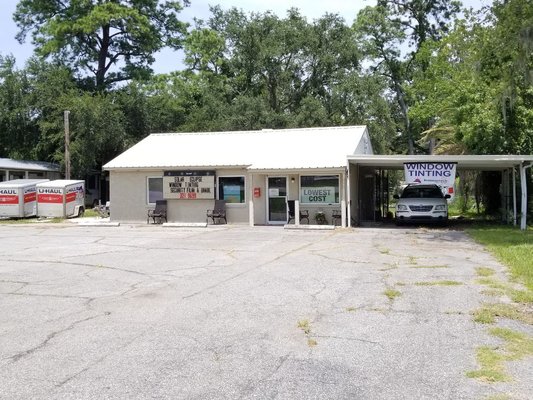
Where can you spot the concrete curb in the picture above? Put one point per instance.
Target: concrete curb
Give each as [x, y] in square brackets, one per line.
[310, 227]
[185, 224]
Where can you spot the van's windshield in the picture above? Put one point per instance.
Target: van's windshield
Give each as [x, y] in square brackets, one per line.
[422, 192]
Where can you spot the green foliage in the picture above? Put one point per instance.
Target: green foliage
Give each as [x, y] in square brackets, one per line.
[18, 129]
[511, 246]
[403, 69]
[96, 36]
[476, 93]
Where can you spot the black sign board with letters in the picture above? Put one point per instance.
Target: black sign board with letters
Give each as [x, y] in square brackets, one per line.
[189, 185]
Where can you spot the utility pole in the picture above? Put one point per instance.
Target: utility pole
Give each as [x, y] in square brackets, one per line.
[67, 144]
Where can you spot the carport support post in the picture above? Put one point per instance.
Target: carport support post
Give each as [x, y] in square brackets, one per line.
[514, 196]
[343, 213]
[297, 212]
[523, 184]
[251, 212]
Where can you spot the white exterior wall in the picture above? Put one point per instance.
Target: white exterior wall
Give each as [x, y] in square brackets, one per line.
[128, 196]
[259, 180]
[327, 209]
[129, 202]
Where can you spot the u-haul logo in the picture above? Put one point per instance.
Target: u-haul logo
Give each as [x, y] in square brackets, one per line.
[50, 191]
[30, 190]
[8, 191]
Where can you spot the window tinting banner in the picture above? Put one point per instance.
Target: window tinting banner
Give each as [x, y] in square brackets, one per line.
[441, 174]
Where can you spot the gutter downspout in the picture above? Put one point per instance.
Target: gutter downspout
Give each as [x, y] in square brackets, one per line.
[523, 184]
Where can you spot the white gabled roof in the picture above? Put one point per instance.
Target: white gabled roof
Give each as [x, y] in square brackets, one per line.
[266, 149]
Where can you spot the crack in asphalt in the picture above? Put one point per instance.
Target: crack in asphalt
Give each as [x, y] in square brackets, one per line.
[289, 252]
[50, 337]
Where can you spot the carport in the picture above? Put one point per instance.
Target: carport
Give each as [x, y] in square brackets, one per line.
[366, 176]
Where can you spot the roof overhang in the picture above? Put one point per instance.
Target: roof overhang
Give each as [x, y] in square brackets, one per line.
[467, 162]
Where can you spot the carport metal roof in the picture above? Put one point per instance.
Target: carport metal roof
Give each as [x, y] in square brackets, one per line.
[471, 162]
[468, 162]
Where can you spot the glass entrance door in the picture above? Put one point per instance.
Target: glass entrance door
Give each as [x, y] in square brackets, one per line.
[277, 200]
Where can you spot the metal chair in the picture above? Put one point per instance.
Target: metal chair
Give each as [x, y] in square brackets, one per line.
[304, 214]
[159, 212]
[218, 212]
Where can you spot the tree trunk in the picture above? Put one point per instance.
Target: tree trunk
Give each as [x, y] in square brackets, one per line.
[102, 59]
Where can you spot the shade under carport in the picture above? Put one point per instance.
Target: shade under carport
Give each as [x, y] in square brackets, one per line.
[464, 162]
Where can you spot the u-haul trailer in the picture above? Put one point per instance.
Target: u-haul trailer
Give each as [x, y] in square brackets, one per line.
[18, 197]
[61, 198]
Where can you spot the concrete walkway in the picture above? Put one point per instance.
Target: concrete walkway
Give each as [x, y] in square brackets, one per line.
[227, 312]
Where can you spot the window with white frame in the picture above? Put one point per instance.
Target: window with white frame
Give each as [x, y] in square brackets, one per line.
[154, 189]
[231, 189]
[319, 189]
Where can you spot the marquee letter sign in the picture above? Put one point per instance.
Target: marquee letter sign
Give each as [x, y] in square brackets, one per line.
[189, 185]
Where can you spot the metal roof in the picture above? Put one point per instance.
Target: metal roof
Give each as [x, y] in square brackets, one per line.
[472, 162]
[25, 165]
[258, 150]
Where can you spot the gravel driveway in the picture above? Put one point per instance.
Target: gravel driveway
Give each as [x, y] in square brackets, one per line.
[233, 312]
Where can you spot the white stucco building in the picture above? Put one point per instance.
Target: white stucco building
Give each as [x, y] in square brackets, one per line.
[256, 172]
[324, 170]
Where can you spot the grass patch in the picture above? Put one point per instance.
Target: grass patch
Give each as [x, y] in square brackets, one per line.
[390, 266]
[517, 345]
[493, 283]
[521, 296]
[412, 260]
[351, 309]
[493, 292]
[384, 251]
[391, 293]
[430, 266]
[501, 288]
[491, 360]
[90, 213]
[304, 326]
[483, 271]
[511, 246]
[30, 220]
[9, 221]
[488, 313]
[491, 366]
[439, 283]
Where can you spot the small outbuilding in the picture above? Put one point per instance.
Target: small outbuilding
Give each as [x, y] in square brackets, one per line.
[25, 169]
[255, 172]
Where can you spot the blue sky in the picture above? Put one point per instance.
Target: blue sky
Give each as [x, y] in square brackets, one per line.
[168, 60]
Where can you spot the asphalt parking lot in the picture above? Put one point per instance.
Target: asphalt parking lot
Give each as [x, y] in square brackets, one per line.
[233, 312]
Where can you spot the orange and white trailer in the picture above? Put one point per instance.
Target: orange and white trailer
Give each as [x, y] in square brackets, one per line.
[18, 197]
[61, 198]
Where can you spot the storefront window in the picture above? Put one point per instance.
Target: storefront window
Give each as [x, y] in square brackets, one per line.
[155, 189]
[231, 189]
[320, 189]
